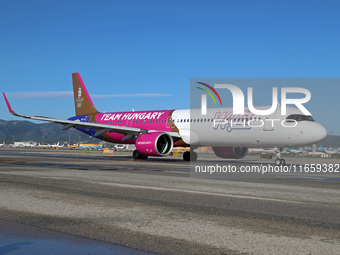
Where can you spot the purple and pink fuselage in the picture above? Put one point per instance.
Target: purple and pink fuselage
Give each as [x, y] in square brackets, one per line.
[150, 120]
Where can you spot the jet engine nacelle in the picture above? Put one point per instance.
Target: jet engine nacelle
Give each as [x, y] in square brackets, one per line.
[154, 144]
[230, 152]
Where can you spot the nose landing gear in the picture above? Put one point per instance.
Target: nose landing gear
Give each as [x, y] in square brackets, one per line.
[279, 161]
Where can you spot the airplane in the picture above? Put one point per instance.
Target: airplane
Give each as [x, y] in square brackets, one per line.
[322, 149]
[329, 151]
[120, 146]
[24, 144]
[2, 144]
[90, 146]
[49, 145]
[313, 150]
[296, 151]
[155, 133]
[73, 146]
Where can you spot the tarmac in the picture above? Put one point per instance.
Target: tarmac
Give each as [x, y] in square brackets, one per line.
[162, 206]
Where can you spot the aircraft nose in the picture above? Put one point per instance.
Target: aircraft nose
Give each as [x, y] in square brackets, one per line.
[320, 133]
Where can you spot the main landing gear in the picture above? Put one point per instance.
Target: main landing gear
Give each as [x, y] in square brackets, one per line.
[190, 156]
[279, 161]
[137, 155]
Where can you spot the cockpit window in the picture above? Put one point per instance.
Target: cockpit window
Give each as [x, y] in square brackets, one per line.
[299, 117]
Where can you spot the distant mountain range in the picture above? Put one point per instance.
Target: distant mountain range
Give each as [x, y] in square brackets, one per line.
[53, 133]
[19, 131]
[331, 141]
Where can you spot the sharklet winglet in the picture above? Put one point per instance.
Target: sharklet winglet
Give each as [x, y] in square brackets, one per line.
[10, 109]
[8, 104]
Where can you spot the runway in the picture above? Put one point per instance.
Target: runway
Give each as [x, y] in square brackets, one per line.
[159, 206]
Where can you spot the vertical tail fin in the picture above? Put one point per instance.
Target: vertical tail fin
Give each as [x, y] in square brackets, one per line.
[323, 149]
[82, 101]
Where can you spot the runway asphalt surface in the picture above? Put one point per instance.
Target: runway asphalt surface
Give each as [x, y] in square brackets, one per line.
[161, 206]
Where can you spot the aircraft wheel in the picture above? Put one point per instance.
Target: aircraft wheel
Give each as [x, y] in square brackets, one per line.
[137, 155]
[283, 162]
[278, 162]
[193, 156]
[190, 156]
[186, 156]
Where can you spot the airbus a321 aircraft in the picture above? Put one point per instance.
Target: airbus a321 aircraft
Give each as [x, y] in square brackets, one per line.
[155, 133]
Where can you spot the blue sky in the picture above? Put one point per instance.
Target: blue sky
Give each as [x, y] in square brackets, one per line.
[155, 47]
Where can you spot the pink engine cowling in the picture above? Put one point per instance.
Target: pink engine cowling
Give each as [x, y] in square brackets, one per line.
[230, 152]
[154, 144]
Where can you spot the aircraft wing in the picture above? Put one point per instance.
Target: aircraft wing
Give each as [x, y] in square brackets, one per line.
[101, 128]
